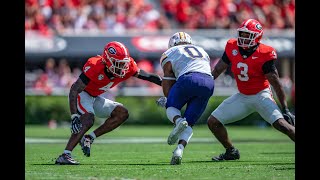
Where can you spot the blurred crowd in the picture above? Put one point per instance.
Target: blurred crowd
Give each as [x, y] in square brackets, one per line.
[59, 16]
[226, 14]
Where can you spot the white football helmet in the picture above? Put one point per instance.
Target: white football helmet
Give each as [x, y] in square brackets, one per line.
[179, 38]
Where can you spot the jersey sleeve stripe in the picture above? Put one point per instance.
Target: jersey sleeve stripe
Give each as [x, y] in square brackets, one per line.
[164, 61]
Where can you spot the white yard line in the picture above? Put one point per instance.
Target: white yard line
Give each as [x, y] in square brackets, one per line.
[121, 140]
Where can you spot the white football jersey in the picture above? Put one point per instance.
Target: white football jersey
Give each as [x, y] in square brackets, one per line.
[187, 58]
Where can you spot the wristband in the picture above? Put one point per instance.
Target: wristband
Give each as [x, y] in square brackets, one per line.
[168, 78]
[75, 115]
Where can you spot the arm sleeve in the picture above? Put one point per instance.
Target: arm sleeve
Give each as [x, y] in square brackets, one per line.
[150, 77]
[269, 66]
[84, 78]
[225, 58]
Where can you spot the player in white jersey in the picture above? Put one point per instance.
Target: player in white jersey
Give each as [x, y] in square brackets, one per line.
[187, 81]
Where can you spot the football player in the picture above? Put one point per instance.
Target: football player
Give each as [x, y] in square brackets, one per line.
[187, 81]
[253, 66]
[100, 73]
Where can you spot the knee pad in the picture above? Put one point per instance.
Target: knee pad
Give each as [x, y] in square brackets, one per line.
[172, 112]
[186, 134]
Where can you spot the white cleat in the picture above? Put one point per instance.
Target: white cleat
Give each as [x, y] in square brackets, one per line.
[177, 130]
[176, 157]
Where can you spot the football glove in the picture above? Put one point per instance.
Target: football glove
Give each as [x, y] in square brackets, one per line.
[75, 124]
[162, 101]
[289, 117]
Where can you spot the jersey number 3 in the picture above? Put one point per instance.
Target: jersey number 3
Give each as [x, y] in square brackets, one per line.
[243, 76]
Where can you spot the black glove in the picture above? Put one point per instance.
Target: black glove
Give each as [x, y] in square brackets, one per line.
[289, 117]
[162, 101]
[75, 124]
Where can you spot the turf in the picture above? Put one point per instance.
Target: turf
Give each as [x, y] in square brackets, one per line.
[265, 154]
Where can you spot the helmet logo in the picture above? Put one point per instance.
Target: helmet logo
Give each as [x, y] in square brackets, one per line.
[258, 26]
[112, 50]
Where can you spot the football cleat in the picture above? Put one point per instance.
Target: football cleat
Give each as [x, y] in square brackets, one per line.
[176, 160]
[176, 157]
[230, 154]
[85, 143]
[177, 130]
[66, 159]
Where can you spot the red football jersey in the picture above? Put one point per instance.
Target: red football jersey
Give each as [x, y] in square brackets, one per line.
[248, 72]
[99, 82]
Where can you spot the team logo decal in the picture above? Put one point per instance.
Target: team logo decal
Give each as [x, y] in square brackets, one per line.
[112, 50]
[100, 77]
[234, 52]
[258, 26]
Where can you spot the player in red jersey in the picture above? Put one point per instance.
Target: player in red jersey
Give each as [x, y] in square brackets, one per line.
[100, 73]
[253, 66]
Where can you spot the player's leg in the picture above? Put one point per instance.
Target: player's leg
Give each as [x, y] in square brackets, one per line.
[85, 108]
[115, 115]
[268, 109]
[232, 109]
[178, 96]
[118, 116]
[114, 112]
[184, 138]
[200, 91]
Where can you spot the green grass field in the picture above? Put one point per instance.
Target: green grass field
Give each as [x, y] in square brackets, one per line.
[141, 152]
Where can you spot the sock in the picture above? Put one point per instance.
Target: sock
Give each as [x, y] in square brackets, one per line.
[180, 146]
[179, 150]
[92, 135]
[179, 119]
[66, 152]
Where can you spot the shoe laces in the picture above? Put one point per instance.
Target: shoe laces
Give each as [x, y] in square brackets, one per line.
[67, 155]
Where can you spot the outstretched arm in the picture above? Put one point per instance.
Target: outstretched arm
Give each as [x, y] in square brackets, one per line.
[221, 66]
[149, 77]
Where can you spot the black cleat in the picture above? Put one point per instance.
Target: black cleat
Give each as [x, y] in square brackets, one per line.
[85, 143]
[66, 159]
[230, 154]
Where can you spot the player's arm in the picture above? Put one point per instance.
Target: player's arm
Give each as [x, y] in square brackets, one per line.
[221, 66]
[168, 78]
[77, 87]
[272, 75]
[142, 74]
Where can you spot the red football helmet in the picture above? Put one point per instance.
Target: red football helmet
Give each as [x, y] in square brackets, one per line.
[249, 33]
[117, 58]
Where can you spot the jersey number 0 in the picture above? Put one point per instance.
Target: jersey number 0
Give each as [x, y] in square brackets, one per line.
[193, 52]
